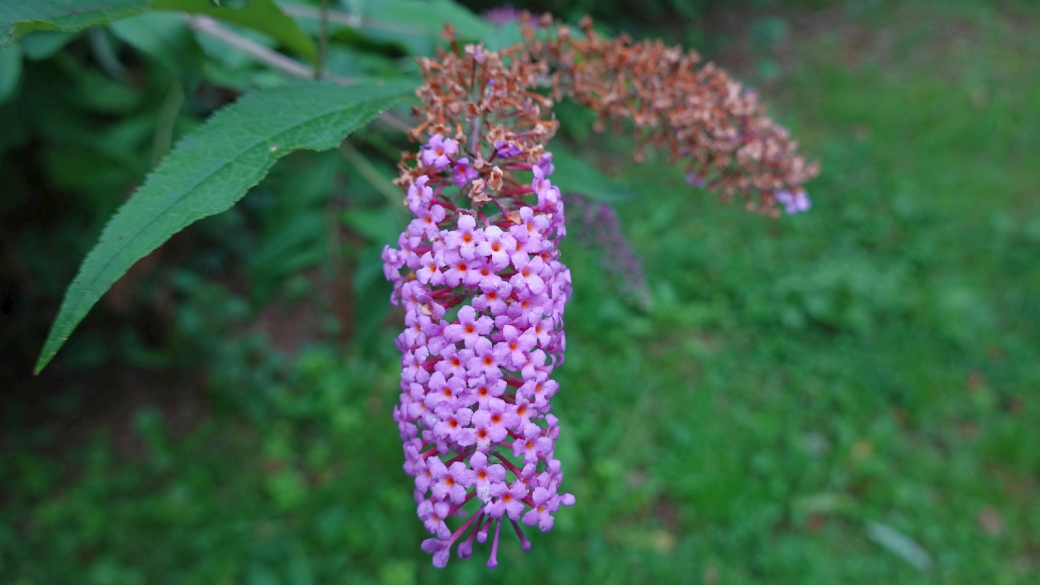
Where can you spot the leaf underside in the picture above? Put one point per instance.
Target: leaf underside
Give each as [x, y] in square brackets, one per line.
[211, 169]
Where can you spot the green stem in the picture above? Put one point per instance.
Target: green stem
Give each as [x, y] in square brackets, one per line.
[370, 173]
[105, 54]
[168, 111]
[353, 21]
[323, 40]
[276, 60]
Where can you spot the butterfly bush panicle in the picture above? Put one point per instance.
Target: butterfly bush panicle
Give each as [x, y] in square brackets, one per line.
[478, 274]
[478, 269]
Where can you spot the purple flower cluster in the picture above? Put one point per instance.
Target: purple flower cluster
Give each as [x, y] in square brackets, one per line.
[484, 295]
[599, 227]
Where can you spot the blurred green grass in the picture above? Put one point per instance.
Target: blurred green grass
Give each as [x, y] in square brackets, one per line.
[798, 384]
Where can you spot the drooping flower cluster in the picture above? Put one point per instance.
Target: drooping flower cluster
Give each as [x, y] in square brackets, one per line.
[483, 289]
[478, 271]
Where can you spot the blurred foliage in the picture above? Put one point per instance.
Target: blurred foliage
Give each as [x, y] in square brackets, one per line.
[820, 399]
[694, 23]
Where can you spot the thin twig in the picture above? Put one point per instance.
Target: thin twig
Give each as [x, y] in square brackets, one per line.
[259, 52]
[168, 111]
[278, 61]
[351, 20]
[105, 55]
[335, 16]
[369, 172]
[394, 122]
[323, 39]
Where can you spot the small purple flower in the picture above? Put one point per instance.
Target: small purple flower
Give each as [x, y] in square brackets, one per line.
[484, 361]
[501, 417]
[696, 179]
[487, 279]
[475, 51]
[452, 482]
[535, 364]
[433, 514]
[532, 445]
[529, 304]
[453, 363]
[524, 410]
[514, 346]
[487, 431]
[415, 406]
[452, 424]
[528, 273]
[488, 388]
[413, 363]
[546, 503]
[507, 500]
[469, 329]
[462, 173]
[430, 271]
[425, 224]
[546, 165]
[506, 149]
[494, 301]
[793, 201]
[506, 13]
[438, 151]
[496, 246]
[419, 195]
[540, 327]
[466, 238]
[532, 226]
[442, 390]
[441, 551]
[485, 476]
[548, 194]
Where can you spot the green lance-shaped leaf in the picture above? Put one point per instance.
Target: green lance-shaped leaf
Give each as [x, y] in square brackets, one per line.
[212, 168]
[18, 17]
